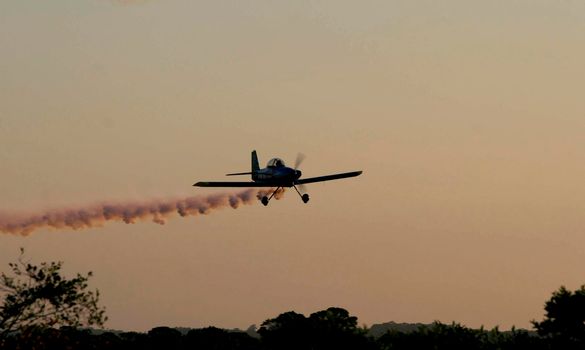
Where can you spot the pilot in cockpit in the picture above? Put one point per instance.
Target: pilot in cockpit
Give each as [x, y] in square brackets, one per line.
[275, 163]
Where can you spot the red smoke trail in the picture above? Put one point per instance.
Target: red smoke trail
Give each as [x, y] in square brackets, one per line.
[157, 210]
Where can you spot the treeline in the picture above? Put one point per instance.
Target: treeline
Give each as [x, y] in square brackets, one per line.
[42, 310]
[333, 328]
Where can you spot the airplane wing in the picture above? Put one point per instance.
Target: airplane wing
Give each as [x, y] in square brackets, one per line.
[327, 177]
[231, 184]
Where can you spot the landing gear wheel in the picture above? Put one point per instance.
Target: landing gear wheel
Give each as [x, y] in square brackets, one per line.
[265, 200]
[305, 198]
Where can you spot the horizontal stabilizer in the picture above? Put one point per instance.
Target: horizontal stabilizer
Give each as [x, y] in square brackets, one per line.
[246, 173]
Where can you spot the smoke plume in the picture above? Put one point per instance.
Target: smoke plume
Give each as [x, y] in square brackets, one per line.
[158, 211]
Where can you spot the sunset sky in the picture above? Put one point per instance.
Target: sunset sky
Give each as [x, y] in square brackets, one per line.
[467, 118]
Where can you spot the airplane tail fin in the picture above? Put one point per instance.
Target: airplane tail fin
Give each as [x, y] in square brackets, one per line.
[255, 167]
[255, 164]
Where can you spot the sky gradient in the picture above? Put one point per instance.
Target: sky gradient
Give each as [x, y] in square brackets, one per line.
[467, 118]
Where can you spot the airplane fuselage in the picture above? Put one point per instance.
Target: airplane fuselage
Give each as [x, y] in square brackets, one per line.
[278, 176]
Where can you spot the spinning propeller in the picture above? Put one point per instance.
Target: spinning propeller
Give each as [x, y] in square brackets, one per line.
[300, 158]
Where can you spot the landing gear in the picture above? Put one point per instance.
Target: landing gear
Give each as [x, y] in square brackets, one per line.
[265, 199]
[304, 197]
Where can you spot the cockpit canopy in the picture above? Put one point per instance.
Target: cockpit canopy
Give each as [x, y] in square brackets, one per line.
[275, 163]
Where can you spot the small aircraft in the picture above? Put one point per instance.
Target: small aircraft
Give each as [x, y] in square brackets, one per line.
[276, 174]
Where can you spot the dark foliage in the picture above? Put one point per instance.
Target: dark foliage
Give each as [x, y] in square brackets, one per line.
[333, 328]
[212, 338]
[439, 336]
[564, 322]
[41, 310]
[35, 297]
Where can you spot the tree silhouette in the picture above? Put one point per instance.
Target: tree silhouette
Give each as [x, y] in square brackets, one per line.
[289, 330]
[334, 319]
[36, 297]
[333, 328]
[212, 338]
[564, 321]
[454, 336]
[164, 338]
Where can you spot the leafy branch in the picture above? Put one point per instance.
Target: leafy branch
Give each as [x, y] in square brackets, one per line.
[37, 296]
